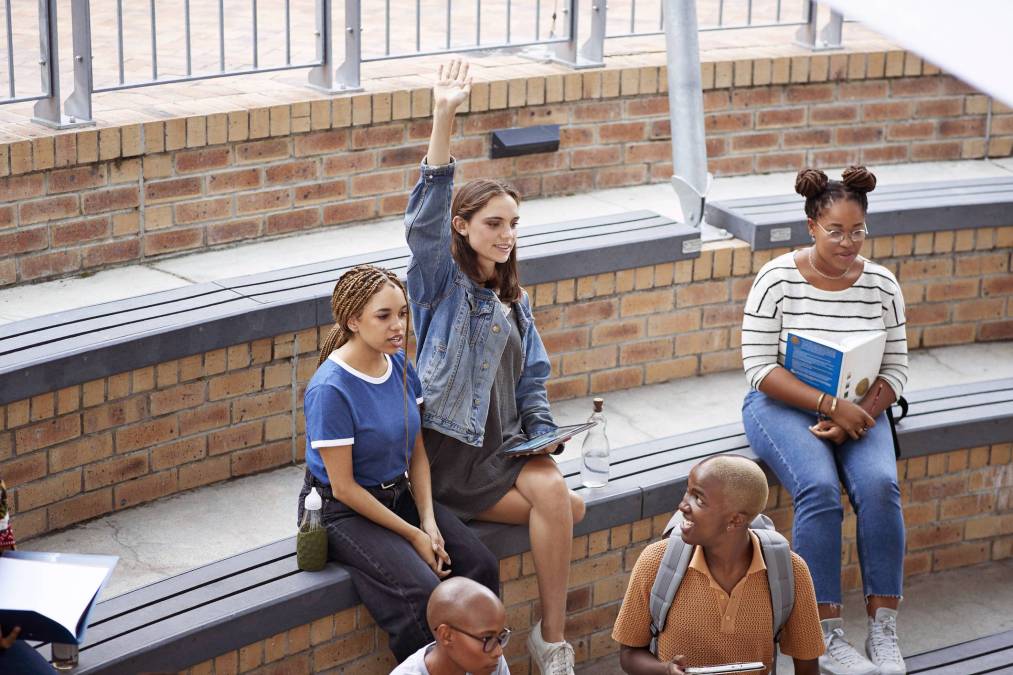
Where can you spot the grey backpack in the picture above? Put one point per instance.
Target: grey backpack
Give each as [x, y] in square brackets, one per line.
[776, 556]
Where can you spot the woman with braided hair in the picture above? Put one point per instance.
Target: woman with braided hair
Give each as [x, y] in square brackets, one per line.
[814, 441]
[484, 367]
[365, 456]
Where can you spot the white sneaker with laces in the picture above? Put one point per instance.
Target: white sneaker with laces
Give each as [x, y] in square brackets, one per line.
[552, 658]
[882, 646]
[840, 657]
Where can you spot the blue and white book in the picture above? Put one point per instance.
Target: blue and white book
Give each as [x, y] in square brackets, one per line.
[844, 369]
[50, 595]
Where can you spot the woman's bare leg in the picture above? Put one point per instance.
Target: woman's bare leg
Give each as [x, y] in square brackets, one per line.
[541, 499]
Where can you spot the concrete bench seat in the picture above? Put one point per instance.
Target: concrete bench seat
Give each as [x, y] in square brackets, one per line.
[189, 618]
[992, 654]
[58, 350]
[775, 222]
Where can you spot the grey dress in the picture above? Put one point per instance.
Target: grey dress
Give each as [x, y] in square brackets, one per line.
[467, 479]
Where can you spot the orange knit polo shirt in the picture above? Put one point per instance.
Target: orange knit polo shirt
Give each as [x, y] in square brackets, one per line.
[711, 627]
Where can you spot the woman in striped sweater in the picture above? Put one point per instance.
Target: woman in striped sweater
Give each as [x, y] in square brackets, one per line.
[815, 442]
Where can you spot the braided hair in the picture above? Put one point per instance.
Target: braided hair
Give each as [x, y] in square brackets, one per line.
[351, 294]
[820, 192]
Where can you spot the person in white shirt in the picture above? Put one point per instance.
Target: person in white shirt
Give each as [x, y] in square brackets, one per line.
[468, 621]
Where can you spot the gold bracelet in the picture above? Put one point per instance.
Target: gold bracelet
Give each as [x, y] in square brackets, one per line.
[833, 406]
[819, 403]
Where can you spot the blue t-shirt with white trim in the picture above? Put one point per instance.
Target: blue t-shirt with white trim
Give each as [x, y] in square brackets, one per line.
[346, 407]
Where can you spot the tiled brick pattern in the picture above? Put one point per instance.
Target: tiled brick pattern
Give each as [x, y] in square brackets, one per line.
[91, 199]
[100, 446]
[109, 444]
[957, 508]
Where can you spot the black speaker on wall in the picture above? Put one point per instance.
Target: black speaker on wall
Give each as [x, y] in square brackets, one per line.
[524, 141]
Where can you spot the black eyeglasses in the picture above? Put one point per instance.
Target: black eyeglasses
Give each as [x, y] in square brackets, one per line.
[502, 638]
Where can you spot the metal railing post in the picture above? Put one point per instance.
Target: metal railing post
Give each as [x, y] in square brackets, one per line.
[811, 37]
[830, 36]
[77, 109]
[592, 53]
[47, 110]
[346, 76]
[690, 178]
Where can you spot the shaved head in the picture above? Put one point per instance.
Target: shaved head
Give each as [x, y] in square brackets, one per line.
[744, 486]
[459, 601]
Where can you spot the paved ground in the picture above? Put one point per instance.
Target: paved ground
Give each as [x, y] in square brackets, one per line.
[36, 299]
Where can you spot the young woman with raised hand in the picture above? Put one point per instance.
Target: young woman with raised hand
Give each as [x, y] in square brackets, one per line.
[365, 456]
[484, 366]
[814, 441]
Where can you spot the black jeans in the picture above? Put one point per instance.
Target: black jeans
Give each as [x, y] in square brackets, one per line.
[391, 579]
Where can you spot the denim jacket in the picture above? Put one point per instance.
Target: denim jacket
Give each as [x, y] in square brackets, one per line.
[460, 328]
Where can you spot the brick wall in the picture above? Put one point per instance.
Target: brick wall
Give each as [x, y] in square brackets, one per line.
[957, 508]
[97, 447]
[86, 200]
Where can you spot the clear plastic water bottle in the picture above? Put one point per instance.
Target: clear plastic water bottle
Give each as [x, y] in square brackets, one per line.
[311, 541]
[595, 451]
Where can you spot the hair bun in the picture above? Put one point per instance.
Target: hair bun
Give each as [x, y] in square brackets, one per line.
[810, 182]
[859, 179]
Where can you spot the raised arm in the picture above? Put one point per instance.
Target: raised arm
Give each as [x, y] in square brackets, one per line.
[427, 217]
[452, 88]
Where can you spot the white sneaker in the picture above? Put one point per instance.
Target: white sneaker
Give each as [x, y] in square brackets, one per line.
[552, 658]
[881, 645]
[840, 657]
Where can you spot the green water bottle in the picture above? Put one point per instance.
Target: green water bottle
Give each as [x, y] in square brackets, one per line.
[311, 541]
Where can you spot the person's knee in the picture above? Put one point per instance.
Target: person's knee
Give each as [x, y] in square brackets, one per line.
[541, 484]
[551, 492]
[577, 507]
[821, 495]
[878, 492]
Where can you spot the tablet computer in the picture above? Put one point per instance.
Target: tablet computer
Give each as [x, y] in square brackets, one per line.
[725, 669]
[547, 442]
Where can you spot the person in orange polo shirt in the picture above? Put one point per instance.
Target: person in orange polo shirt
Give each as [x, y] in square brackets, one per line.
[721, 613]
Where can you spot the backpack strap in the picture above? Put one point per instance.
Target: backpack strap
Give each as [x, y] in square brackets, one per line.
[666, 583]
[903, 405]
[780, 576]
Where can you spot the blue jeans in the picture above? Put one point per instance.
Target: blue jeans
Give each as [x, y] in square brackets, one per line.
[391, 579]
[812, 471]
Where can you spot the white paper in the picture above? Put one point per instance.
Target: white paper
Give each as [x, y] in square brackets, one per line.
[60, 591]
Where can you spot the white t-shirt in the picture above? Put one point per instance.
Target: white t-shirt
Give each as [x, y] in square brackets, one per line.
[416, 664]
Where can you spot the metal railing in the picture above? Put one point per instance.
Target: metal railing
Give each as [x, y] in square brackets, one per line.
[639, 18]
[647, 17]
[143, 44]
[13, 95]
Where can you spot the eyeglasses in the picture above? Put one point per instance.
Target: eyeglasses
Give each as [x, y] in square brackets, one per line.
[837, 236]
[488, 642]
